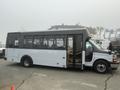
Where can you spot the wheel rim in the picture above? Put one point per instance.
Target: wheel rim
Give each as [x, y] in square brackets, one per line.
[26, 63]
[101, 67]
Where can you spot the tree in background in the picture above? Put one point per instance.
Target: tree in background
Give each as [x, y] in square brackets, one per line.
[92, 30]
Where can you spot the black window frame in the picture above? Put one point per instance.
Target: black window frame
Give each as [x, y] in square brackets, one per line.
[47, 37]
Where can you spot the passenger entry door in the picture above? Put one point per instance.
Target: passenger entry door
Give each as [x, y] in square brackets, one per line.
[74, 50]
[69, 50]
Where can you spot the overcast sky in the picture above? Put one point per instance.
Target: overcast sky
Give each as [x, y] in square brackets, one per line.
[26, 15]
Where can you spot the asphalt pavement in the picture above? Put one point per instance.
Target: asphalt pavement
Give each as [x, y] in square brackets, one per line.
[46, 78]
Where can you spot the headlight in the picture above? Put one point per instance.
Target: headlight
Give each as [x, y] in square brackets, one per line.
[114, 58]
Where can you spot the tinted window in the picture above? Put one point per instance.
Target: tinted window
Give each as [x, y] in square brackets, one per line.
[45, 42]
[16, 43]
[51, 43]
[37, 42]
[28, 41]
[60, 43]
[89, 47]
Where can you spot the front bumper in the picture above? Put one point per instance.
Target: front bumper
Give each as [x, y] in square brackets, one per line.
[115, 65]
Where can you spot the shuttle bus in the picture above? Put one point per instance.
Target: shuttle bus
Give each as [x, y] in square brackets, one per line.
[63, 48]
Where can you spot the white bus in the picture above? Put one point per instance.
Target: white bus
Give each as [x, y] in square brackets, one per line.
[65, 49]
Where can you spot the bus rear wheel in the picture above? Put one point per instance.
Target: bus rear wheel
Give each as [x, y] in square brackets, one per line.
[27, 62]
[101, 66]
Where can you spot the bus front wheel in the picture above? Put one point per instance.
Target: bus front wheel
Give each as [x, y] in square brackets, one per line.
[26, 62]
[101, 66]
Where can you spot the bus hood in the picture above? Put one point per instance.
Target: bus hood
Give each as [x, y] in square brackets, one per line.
[106, 51]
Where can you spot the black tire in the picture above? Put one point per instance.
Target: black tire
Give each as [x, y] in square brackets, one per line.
[26, 62]
[101, 66]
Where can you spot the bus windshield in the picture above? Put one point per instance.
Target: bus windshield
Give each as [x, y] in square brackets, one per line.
[96, 45]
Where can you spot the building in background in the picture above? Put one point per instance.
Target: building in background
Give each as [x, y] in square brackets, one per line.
[72, 27]
[65, 27]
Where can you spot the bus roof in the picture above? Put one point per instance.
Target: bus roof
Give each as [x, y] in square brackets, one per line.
[53, 32]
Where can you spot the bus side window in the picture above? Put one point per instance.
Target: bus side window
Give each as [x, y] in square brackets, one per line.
[16, 43]
[10, 44]
[45, 43]
[28, 42]
[60, 43]
[13, 43]
[51, 43]
[37, 42]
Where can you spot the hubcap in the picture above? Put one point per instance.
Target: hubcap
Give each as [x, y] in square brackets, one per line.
[101, 67]
[26, 63]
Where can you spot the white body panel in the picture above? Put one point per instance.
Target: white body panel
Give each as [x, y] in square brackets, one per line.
[55, 58]
[97, 55]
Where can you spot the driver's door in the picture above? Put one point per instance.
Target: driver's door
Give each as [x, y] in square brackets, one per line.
[89, 52]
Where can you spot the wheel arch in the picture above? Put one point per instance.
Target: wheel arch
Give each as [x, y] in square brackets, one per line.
[26, 56]
[101, 59]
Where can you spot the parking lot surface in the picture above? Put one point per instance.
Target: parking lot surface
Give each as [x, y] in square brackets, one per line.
[46, 78]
